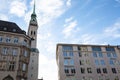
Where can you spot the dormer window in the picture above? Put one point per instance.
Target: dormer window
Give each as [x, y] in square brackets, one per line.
[5, 28]
[14, 30]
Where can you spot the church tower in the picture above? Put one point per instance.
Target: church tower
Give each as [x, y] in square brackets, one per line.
[33, 27]
[34, 54]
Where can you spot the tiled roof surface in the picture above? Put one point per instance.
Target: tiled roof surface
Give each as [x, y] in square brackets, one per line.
[10, 27]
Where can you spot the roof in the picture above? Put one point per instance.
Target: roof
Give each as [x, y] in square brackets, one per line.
[10, 27]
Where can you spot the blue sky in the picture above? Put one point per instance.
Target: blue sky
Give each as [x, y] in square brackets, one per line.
[65, 21]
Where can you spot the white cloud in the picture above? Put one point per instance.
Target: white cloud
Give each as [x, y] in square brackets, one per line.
[70, 27]
[18, 8]
[3, 17]
[69, 19]
[88, 38]
[47, 68]
[114, 30]
[68, 3]
[48, 10]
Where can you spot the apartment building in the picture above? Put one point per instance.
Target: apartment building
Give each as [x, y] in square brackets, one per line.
[88, 62]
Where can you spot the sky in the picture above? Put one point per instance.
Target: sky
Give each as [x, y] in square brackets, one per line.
[65, 21]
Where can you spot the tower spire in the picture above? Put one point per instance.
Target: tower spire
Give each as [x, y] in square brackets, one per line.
[34, 8]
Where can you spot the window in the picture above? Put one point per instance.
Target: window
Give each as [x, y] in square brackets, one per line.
[5, 28]
[80, 54]
[88, 62]
[15, 40]
[14, 52]
[8, 39]
[64, 53]
[104, 70]
[100, 78]
[71, 54]
[24, 67]
[25, 53]
[66, 70]
[79, 48]
[108, 54]
[114, 70]
[90, 78]
[89, 70]
[100, 54]
[1, 38]
[114, 54]
[102, 62]
[66, 62]
[34, 32]
[110, 49]
[71, 62]
[98, 70]
[67, 47]
[11, 66]
[95, 48]
[31, 32]
[25, 42]
[96, 62]
[3, 65]
[85, 54]
[73, 70]
[5, 50]
[14, 30]
[94, 54]
[116, 78]
[81, 62]
[82, 70]
[111, 62]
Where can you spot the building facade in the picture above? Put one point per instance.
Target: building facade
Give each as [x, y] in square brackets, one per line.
[88, 62]
[18, 51]
[14, 52]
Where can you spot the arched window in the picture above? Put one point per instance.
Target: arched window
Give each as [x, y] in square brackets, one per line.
[34, 32]
[8, 78]
[31, 32]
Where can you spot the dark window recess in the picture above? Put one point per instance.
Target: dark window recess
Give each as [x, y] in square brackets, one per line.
[80, 54]
[66, 70]
[104, 70]
[82, 70]
[81, 62]
[73, 71]
[31, 32]
[114, 70]
[98, 70]
[79, 48]
[11, 66]
[34, 32]
[89, 70]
